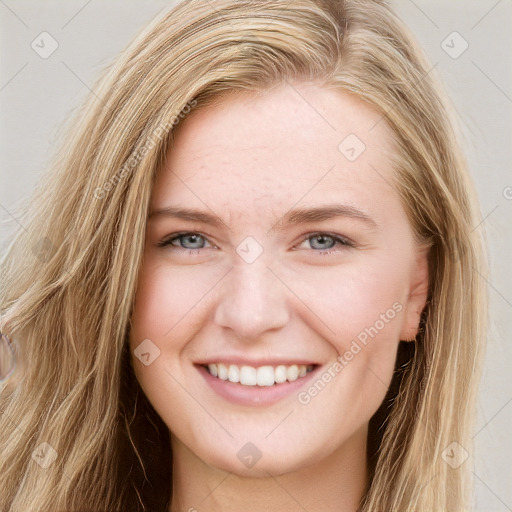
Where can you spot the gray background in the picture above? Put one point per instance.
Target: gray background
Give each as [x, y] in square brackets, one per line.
[37, 94]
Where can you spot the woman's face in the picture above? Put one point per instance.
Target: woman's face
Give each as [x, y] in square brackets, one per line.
[277, 244]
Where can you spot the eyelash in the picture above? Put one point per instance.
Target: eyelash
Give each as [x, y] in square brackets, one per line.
[339, 240]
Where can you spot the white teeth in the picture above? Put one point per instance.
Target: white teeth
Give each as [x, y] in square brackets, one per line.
[233, 373]
[212, 368]
[280, 374]
[265, 376]
[248, 376]
[261, 376]
[222, 371]
[292, 372]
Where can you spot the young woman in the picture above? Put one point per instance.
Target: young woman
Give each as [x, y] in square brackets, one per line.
[251, 280]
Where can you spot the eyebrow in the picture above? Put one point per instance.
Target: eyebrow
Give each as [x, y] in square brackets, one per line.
[327, 212]
[291, 218]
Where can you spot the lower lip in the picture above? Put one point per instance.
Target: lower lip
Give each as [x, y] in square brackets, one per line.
[254, 395]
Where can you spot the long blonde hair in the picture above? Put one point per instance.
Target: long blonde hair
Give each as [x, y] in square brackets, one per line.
[69, 278]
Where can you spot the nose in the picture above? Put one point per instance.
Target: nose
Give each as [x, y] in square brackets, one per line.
[252, 301]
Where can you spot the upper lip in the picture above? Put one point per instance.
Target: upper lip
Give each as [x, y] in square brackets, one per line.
[239, 361]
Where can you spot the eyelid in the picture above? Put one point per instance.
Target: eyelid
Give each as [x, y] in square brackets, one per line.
[166, 240]
[339, 240]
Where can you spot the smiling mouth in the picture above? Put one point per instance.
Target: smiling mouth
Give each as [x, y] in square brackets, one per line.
[258, 376]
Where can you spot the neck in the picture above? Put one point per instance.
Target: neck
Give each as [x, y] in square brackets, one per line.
[333, 484]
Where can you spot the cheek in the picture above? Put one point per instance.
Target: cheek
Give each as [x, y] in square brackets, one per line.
[363, 305]
[167, 298]
[167, 303]
[351, 299]
[170, 308]
[351, 388]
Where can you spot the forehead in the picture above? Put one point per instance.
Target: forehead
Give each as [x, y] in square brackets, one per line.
[293, 144]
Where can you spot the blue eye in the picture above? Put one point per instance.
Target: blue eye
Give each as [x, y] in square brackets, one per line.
[323, 242]
[190, 241]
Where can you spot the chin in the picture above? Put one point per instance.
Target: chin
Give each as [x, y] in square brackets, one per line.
[259, 460]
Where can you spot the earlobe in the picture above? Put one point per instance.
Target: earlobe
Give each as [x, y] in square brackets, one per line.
[417, 297]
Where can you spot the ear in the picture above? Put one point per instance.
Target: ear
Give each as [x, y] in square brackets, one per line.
[417, 297]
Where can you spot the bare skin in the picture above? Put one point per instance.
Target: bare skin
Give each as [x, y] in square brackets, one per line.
[309, 294]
